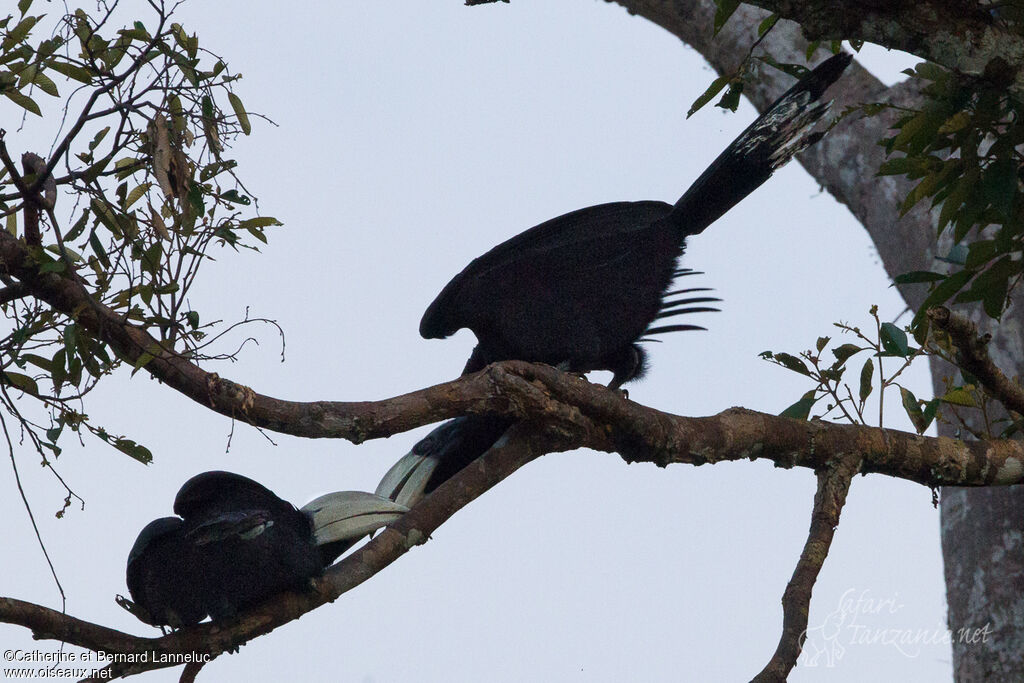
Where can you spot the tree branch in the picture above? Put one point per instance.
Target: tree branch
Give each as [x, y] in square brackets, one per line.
[959, 35]
[560, 412]
[973, 357]
[637, 432]
[833, 485]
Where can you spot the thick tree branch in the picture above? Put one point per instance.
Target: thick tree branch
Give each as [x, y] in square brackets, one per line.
[833, 485]
[13, 292]
[561, 412]
[956, 34]
[637, 432]
[973, 357]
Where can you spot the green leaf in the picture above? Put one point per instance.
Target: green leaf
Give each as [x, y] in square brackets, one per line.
[866, 375]
[141, 361]
[897, 166]
[802, 408]
[981, 252]
[195, 198]
[235, 198]
[136, 194]
[72, 71]
[767, 24]
[137, 451]
[98, 138]
[913, 410]
[243, 118]
[991, 285]
[894, 340]
[97, 248]
[20, 381]
[53, 267]
[929, 412]
[23, 101]
[58, 374]
[959, 396]
[46, 84]
[259, 222]
[731, 99]
[956, 122]
[38, 361]
[713, 89]
[999, 184]
[821, 343]
[724, 10]
[952, 203]
[916, 276]
[18, 33]
[792, 363]
[844, 352]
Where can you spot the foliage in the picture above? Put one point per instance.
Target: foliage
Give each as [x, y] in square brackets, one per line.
[961, 147]
[143, 118]
[888, 341]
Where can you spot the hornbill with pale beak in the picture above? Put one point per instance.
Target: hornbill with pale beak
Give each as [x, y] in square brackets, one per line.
[235, 543]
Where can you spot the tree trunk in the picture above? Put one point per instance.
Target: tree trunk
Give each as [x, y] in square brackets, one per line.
[982, 530]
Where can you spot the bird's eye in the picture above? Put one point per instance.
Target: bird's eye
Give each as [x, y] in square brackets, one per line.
[255, 531]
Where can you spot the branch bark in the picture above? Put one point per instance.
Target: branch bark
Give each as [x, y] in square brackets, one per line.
[559, 412]
[973, 357]
[959, 35]
[833, 485]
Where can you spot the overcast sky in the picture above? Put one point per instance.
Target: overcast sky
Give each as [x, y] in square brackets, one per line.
[410, 138]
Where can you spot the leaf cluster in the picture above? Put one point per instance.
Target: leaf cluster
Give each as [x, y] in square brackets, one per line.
[141, 158]
[962, 149]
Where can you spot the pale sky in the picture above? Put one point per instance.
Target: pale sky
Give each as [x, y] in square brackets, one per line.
[410, 138]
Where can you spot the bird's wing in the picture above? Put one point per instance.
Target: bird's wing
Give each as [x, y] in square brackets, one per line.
[571, 244]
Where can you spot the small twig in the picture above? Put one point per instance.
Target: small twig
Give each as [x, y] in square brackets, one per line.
[32, 518]
[973, 357]
[833, 485]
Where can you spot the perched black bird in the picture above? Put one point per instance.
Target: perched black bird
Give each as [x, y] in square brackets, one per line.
[236, 544]
[157, 565]
[439, 455]
[579, 291]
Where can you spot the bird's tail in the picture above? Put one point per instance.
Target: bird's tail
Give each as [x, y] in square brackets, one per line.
[439, 455]
[342, 518]
[767, 144]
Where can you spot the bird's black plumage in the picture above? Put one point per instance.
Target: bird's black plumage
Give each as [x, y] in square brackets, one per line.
[236, 543]
[249, 543]
[156, 563]
[580, 290]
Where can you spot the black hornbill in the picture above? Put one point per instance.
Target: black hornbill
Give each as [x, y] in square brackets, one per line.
[579, 291]
[235, 544]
